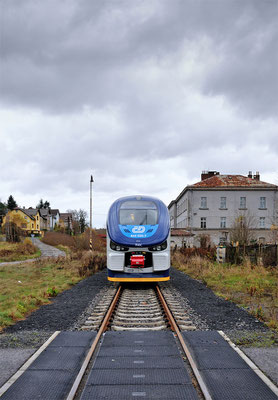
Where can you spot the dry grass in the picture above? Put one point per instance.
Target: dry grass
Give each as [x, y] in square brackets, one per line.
[25, 287]
[251, 286]
[18, 251]
[75, 243]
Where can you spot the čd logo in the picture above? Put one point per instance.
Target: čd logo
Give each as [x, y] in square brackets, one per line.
[138, 229]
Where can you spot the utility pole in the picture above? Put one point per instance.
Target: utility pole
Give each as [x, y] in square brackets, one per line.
[91, 198]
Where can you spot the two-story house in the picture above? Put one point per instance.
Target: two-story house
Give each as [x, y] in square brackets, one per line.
[28, 219]
[213, 205]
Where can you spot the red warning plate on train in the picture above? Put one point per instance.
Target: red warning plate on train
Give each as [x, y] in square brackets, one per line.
[137, 260]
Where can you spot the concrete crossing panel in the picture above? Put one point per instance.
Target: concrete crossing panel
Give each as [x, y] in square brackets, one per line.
[225, 373]
[140, 392]
[52, 374]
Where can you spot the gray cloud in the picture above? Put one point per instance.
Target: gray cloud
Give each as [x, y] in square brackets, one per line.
[145, 94]
[84, 53]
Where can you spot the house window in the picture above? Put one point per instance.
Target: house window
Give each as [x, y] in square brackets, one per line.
[37, 226]
[203, 222]
[223, 222]
[262, 202]
[37, 217]
[262, 222]
[32, 226]
[223, 202]
[24, 226]
[242, 203]
[203, 202]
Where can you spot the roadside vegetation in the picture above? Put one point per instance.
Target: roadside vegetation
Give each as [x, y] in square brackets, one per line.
[74, 243]
[25, 287]
[18, 251]
[250, 286]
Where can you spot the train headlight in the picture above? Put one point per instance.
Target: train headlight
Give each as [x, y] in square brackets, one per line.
[159, 247]
[117, 247]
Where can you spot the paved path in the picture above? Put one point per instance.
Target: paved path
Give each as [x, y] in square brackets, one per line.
[46, 251]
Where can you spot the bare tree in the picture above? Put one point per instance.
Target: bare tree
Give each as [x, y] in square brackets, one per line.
[82, 215]
[242, 229]
[204, 240]
[78, 220]
[274, 233]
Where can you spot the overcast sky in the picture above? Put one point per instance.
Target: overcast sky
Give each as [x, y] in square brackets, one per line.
[144, 95]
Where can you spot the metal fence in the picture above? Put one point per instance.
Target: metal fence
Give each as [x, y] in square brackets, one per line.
[264, 254]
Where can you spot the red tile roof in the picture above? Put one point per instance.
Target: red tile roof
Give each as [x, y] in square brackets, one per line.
[232, 181]
[180, 232]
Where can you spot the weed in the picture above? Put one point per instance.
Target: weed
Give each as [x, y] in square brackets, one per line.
[52, 292]
[251, 290]
[258, 312]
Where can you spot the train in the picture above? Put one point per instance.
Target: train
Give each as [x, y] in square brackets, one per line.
[138, 240]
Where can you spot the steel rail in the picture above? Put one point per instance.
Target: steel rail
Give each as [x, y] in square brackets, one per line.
[176, 329]
[102, 329]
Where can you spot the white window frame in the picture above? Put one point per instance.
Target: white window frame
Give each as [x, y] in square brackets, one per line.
[263, 203]
[262, 222]
[203, 223]
[223, 203]
[223, 222]
[204, 202]
[242, 203]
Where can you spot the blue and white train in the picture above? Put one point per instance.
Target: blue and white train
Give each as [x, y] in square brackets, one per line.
[138, 240]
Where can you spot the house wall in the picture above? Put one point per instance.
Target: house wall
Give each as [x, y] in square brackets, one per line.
[173, 215]
[54, 219]
[190, 211]
[253, 212]
[182, 241]
[31, 225]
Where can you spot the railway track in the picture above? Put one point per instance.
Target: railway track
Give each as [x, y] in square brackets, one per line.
[135, 309]
[138, 308]
[129, 351]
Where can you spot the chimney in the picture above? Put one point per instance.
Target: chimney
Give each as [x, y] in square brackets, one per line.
[257, 176]
[250, 174]
[208, 174]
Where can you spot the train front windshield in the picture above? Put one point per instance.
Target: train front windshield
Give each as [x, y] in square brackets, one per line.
[138, 213]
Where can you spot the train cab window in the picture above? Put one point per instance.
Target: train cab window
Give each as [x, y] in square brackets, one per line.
[138, 212]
